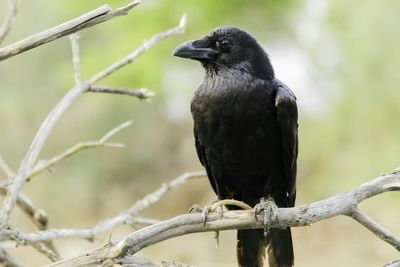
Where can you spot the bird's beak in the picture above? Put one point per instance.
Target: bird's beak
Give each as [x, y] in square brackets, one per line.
[195, 50]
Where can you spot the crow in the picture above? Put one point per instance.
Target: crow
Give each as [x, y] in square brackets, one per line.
[245, 130]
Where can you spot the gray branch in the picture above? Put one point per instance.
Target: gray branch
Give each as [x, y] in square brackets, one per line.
[142, 93]
[84, 21]
[127, 217]
[12, 11]
[343, 204]
[74, 40]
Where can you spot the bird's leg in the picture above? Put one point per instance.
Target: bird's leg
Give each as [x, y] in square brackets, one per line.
[270, 212]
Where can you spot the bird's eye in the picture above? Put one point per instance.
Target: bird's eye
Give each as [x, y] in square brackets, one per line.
[223, 45]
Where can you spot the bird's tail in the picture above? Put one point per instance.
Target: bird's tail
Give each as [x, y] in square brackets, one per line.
[251, 248]
[280, 248]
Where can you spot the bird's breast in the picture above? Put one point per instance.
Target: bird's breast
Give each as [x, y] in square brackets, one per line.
[237, 127]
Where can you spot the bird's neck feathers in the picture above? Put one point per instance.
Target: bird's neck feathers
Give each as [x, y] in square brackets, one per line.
[256, 64]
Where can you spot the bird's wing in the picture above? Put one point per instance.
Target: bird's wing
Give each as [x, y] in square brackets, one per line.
[201, 153]
[286, 109]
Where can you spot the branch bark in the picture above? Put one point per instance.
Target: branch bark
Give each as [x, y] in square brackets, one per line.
[142, 93]
[84, 21]
[304, 215]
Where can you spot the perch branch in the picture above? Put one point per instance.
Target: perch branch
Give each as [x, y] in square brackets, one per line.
[304, 215]
[84, 21]
[142, 93]
[12, 11]
[51, 119]
[6, 259]
[102, 142]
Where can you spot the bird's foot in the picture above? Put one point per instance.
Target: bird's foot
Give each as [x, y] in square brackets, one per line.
[214, 206]
[218, 206]
[270, 212]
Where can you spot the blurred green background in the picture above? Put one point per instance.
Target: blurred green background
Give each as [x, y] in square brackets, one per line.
[341, 58]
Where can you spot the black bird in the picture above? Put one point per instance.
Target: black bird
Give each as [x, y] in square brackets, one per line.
[245, 129]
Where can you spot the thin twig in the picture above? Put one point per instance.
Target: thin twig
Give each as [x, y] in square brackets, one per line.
[51, 119]
[115, 130]
[39, 246]
[135, 54]
[6, 260]
[158, 194]
[142, 93]
[127, 217]
[74, 39]
[12, 11]
[102, 142]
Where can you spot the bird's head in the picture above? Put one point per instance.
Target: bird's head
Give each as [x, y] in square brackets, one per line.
[228, 48]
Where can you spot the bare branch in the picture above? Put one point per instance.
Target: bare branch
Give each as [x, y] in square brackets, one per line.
[375, 228]
[86, 20]
[127, 261]
[142, 93]
[128, 217]
[135, 54]
[51, 119]
[47, 164]
[6, 260]
[395, 263]
[156, 195]
[41, 247]
[74, 39]
[342, 204]
[115, 130]
[37, 215]
[12, 11]
[50, 34]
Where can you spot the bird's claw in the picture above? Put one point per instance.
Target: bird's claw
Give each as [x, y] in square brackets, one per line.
[270, 212]
[195, 208]
[215, 206]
